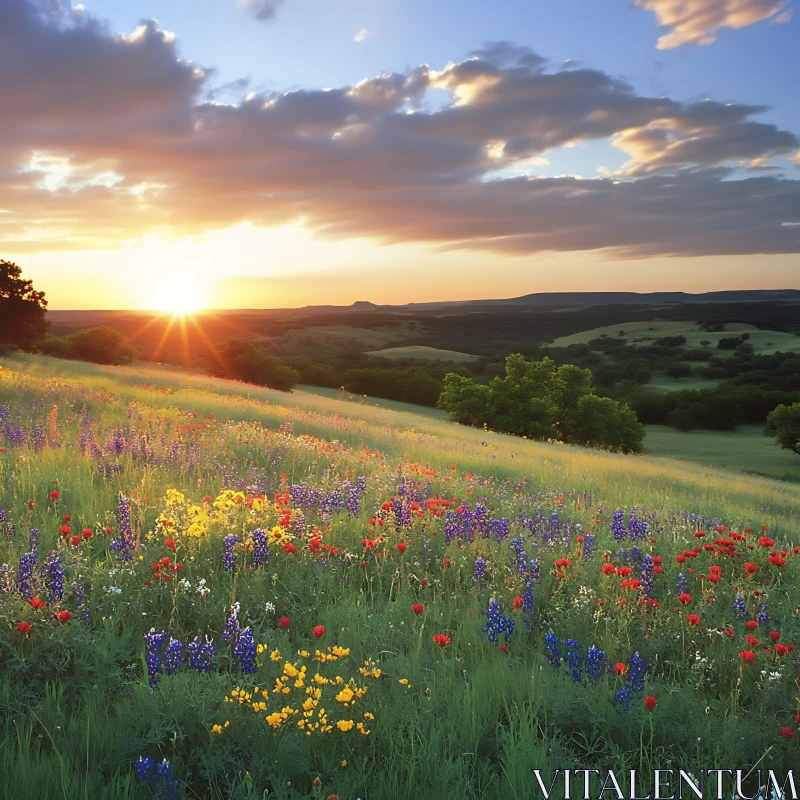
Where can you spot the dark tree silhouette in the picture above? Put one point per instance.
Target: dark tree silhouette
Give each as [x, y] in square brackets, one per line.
[22, 309]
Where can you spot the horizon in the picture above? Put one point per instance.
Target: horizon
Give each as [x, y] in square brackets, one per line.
[181, 156]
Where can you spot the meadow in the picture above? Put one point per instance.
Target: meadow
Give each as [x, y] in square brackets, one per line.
[764, 342]
[211, 589]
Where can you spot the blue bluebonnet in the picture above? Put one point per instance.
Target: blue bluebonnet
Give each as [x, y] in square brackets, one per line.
[229, 559]
[244, 651]
[154, 643]
[497, 622]
[33, 539]
[763, 616]
[231, 630]
[648, 576]
[173, 655]
[552, 651]
[596, 662]
[588, 547]
[534, 569]
[528, 610]
[122, 545]
[480, 569]
[159, 775]
[574, 659]
[682, 584]
[634, 681]
[618, 525]
[260, 549]
[27, 562]
[54, 577]
[739, 608]
[201, 654]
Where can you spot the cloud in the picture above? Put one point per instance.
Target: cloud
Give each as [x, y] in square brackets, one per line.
[699, 21]
[113, 137]
[262, 10]
[361, 35]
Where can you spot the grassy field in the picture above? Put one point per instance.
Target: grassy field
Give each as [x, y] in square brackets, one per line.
[763, 341]
[375, 402]
[215, 590]
[422, 353]
[745, 449]
[661, 383]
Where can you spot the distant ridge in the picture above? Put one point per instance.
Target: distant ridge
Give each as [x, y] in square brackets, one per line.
[536, 300]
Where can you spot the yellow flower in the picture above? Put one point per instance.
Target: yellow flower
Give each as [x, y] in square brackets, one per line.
[344, 762]
[275, 655]
[174, 498]
[346, 695]
[275, 720]
[216, 729]
[345, 725]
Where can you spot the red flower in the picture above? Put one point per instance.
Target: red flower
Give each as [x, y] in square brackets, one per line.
[54, 495]
[284, 623]
[518, 602]
[171, 544]
[620, 669]
[685, 599]
[446, 562]
[66, 530]
[750, 568]
[107, 530]
[289, 548]
[609, 569]
[650, 702]
[24, 627]
[30, 504]
[364, 564]
[401, 547]
[774, 635]
[417, 608]
[693, 620]
[782, 649]
[319, 631]
[63, 616]
[699, 534]
[37, 603]
[75, 541]
[752, 641]
[504, 649]
[787, 733]
[87, 533]
[748, 656]
[751, 624]
[442, 639]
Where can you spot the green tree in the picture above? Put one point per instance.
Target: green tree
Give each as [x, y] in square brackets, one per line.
[464, 400]
[783, 423]
[101, 345]
[568, 386]
[678, 371]
[603, 422]
[22, 309]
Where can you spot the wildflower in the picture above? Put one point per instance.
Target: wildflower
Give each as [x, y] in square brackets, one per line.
[748, 656]
[24, 627]
[442, 639]
[650, 702]
[596, 661]
[497, 622]
[774, 635]
[244, 651]
[787, 733]
[620, 669]
[54, 577]
[401, 547]
[201, 654]
[284, 622]
[229, 559]
[751, 624]
[685, 599]
[693, 620]
[170, 543]
[75, 540]
[87, 533]
[552, 650]
[289, 548]
[480, 569]
[417, 608]
[63, 616]
[319, 631]
[36, 603]
[216, 729]
[54, 495]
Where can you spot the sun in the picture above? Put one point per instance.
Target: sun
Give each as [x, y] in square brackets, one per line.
[179, 301]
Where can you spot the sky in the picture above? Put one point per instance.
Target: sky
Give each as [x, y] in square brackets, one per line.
[175, 154]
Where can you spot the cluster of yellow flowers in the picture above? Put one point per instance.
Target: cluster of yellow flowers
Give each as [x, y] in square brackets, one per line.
[310, 713]
[182, 516]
